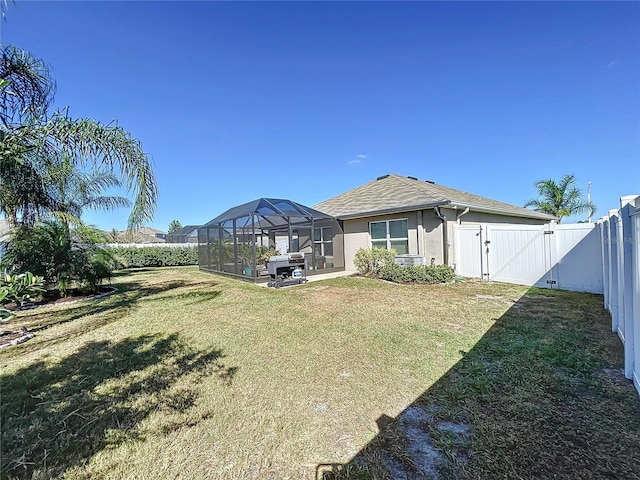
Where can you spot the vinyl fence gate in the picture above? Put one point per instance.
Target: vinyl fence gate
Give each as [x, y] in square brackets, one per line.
[548, 256]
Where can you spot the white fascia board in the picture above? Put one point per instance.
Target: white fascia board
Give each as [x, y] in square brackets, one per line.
[497, 211]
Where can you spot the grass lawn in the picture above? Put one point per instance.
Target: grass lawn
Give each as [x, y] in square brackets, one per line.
[186, 375]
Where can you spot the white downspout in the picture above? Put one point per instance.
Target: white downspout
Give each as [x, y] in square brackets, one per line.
[445, 236]
[464, 212]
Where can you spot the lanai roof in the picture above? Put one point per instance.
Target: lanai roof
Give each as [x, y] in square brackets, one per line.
[393, 193]
[270, 209]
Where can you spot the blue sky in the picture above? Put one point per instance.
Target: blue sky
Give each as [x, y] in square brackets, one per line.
[236, 101]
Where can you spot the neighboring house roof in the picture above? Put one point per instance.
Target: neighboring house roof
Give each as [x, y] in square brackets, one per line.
[393, 193]
[184, 231]
[148, 231]
[139, 235]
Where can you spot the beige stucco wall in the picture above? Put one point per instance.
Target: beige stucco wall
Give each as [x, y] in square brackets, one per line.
[425, 235]
[432, 244]
[356, 234]
[425, 232]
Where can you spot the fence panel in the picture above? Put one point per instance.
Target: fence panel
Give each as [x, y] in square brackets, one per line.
[621, 270]
[579, 257]
[635, 245]
[145, 245]
[519, 254]
[549, 256]
[468, 251]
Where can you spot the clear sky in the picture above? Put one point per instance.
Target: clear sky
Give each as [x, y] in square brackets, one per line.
[239, 100]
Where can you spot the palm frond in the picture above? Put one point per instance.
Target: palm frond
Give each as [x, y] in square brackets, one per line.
[29, 86]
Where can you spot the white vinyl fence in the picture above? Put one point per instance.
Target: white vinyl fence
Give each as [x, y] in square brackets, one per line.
[143, 245]
[621, 270]
[568, 257]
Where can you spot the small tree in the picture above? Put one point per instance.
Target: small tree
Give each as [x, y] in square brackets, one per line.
[175, 225]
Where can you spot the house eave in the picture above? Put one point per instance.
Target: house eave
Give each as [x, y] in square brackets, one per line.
[498, 211]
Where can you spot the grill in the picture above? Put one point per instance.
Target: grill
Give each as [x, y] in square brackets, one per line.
[288, 269]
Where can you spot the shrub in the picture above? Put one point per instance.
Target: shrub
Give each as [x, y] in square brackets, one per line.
[369, 261]
[20, 288]
[132, 257]
[64, 258]
[417, 273]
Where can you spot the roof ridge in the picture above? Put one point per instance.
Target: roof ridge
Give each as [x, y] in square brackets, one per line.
[413, 183]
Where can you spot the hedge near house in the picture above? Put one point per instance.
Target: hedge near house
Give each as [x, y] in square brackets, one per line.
[417, 273]
[132, 257]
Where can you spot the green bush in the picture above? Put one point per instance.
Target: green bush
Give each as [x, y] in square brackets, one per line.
[369, 261]
[20, 288]
[65, 258]
[417, 273]
[133, 257]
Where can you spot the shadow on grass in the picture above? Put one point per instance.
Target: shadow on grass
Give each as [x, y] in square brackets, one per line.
[55, 417]
[541, 395]
[99, 312]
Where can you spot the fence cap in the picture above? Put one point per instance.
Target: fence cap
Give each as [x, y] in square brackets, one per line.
[633, 200]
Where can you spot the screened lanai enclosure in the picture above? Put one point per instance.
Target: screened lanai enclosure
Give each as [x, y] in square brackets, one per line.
[240, 241]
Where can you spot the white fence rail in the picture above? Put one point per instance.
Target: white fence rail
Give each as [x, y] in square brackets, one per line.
[549, 256]
[620, 239]
[143, 245]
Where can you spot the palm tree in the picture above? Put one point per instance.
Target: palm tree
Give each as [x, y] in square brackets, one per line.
[71, 191]
[23, 195]
[31, 138]
[562, 199]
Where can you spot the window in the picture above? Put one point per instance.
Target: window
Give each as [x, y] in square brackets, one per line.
[391, 234]
[323, 241]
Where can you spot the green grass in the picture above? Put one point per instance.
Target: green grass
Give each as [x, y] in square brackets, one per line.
[187, 375]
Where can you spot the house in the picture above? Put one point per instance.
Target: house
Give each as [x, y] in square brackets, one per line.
[143, 235]
[188, 234]
[415, 217]
[403, 213]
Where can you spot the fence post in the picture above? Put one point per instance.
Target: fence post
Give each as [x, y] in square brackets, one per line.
[627, 207]
[613, 269]
[634, 241]
[603, 225]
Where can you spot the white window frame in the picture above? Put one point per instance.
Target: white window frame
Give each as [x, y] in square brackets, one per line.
[389, 238]
[323, 241]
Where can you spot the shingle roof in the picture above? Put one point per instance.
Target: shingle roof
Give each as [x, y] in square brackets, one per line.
[393, 193]
[185, 230]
